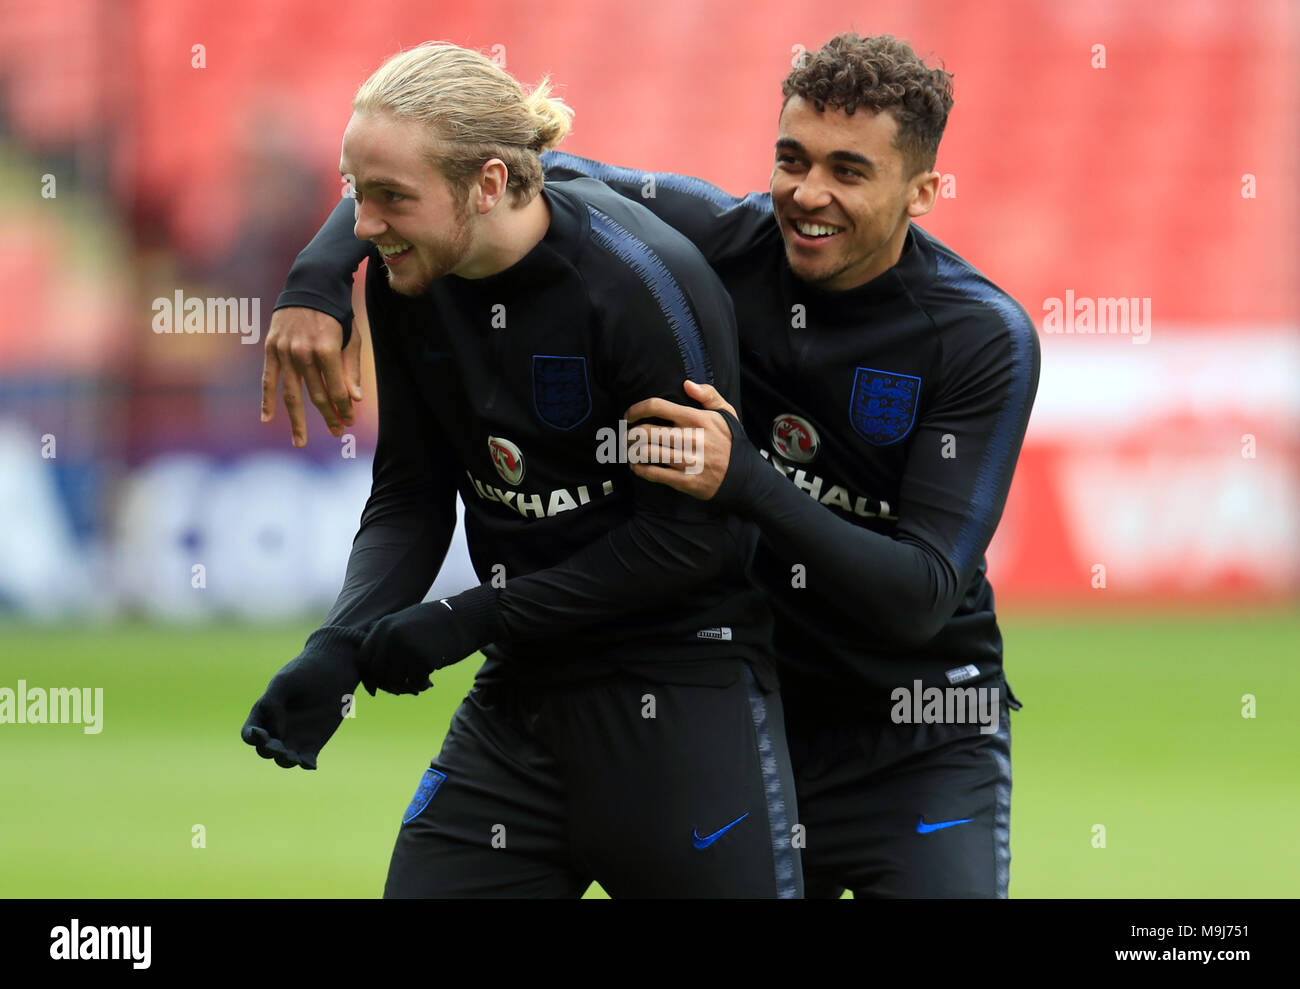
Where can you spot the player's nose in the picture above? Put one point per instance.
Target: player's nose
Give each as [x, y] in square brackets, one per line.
[811, 193]
[368, 223]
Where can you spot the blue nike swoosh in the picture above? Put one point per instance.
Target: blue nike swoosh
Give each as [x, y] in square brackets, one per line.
[923, 828]
[706, 842]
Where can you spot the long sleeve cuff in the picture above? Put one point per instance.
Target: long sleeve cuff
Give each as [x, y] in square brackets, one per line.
[479, 613]
[334, 637]
[739, 485]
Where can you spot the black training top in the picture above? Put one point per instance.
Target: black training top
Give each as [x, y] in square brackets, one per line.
[888, 418]
[509, 390]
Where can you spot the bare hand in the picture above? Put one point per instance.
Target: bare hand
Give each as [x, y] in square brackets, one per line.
[691, 455]
[304, 343]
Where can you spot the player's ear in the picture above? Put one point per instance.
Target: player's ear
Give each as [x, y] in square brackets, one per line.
[923, 189]
[493, 181]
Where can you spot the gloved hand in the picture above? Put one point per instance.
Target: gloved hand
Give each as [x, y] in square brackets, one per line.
[305, 701]
[402, 649]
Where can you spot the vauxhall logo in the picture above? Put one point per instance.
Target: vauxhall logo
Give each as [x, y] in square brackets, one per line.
[794, 438]
[507, 458]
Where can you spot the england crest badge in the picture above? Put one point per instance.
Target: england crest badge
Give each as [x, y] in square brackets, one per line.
[883, 407]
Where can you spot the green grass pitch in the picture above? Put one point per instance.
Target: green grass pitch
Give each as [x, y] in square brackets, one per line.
[1132, 724]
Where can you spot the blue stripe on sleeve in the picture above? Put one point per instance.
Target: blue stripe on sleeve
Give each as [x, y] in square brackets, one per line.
[668, 295]
[686, 184]
[1020, 332]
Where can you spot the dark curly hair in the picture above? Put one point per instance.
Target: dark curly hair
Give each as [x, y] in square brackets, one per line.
[879, 73]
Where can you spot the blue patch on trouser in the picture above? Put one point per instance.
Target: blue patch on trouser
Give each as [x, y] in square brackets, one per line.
[429, 783]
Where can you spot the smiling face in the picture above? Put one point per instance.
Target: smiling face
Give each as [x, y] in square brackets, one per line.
[841, 194]
[421, 226]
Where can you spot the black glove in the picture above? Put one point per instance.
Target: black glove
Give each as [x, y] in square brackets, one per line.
[304, 703]
[403, 648]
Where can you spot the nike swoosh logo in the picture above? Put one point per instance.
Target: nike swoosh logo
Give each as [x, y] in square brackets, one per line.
[706, 842]
[923, 828]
